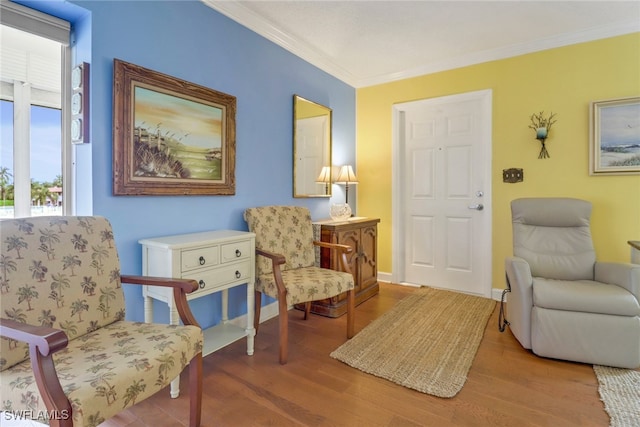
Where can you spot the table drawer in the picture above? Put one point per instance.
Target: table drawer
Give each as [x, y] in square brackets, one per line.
[235, 251]
[210, 280]
[200, 258]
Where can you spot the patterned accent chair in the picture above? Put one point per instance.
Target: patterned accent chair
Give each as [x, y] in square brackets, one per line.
[285, 266]
[68, 356]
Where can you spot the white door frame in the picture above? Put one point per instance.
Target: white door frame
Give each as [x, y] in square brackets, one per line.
[397, 126]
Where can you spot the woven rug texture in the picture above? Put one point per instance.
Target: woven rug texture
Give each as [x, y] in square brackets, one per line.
[620, 392]
[426, 342]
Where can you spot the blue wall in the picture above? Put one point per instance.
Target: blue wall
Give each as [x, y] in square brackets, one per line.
[188, 40]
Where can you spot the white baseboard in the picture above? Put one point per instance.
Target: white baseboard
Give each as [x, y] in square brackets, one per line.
[384, 277]
[496, 293]
[267, 312]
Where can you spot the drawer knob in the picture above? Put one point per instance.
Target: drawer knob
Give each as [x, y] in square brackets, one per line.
[201, 284]
[238, 274]
[202, 260]
[238, 253]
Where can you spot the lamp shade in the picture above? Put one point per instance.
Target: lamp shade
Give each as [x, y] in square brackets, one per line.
[346, 176]
[325, 175]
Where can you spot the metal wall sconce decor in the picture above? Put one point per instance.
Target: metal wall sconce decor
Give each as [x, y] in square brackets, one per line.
[542, 126]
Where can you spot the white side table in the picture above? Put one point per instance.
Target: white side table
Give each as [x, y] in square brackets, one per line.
[217, 260]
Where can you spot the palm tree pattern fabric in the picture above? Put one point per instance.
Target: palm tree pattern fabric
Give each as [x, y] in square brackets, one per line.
[287, 230]
[64, 273]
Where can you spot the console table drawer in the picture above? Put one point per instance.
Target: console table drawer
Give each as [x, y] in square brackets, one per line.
[210, 280]
[235, 251]
[199, 258]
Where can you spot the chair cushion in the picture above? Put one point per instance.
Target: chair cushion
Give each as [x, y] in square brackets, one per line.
[59, 271]
[306, 284]
[147, 357]
[553, 236]
[584, 296]
[285, 230]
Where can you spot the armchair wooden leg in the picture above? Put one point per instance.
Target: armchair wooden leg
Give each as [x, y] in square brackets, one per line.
[351, 308]
[195, 390]
[307, 309]
[258, 306]
[283, 318]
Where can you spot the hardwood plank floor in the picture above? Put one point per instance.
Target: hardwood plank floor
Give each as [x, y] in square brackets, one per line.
[506, 386]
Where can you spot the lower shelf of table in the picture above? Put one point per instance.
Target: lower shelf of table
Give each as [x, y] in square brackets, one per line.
[220, 336]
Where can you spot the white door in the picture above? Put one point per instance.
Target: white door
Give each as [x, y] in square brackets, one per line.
[442, 179]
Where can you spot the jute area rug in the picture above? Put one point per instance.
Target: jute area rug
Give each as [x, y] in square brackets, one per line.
[620, 392]
[426, 342]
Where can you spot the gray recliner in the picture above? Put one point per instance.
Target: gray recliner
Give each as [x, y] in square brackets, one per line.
[563, 303]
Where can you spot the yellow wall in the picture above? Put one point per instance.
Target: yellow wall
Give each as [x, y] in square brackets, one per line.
[563, 80]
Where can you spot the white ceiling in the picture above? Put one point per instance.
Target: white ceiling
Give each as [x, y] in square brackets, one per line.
[369, 42]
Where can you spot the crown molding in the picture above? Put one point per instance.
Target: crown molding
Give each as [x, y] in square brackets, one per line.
[566, 39]
[247, 18]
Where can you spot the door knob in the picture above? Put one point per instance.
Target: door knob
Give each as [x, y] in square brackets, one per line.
[477, 207]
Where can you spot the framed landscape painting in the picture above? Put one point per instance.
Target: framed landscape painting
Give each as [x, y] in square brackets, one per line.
[171, 137]
[615, 137]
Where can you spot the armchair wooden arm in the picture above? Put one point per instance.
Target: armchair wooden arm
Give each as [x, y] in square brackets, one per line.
[275, 258]
[276, 261]
[181, 287]
[46, 340]
[43, 342]
[343, 250]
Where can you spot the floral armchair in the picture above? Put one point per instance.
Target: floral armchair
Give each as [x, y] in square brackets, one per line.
[68, 356]
[285, 266]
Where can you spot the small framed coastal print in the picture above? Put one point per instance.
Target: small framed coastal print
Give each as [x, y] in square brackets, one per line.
[615, 137]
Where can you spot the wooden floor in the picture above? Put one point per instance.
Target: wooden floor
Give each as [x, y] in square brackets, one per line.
[506, 386]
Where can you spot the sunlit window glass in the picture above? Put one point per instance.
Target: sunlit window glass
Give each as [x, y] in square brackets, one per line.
[46, 161]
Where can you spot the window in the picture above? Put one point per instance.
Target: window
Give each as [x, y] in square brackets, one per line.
[33, 113]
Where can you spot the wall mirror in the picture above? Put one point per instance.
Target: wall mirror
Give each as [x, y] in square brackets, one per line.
[311, 149]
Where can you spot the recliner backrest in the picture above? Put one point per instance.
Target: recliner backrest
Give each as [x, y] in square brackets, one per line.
[553, 235]
[286, 230]
[61, 272]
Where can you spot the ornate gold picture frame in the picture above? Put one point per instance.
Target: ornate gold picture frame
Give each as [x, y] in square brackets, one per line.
[171, 137]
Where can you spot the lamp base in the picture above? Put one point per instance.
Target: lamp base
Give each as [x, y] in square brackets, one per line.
[340, 211]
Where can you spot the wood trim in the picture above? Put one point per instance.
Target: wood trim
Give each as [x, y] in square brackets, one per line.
[43, 342]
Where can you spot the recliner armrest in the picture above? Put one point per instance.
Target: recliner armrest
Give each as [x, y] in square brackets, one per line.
[520, 300]
[621, 274]
[518, 273]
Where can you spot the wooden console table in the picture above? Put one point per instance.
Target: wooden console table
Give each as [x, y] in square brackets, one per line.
[362, 235]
